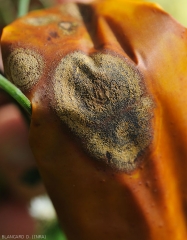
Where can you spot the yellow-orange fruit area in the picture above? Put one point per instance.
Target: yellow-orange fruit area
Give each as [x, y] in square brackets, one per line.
[108, 87]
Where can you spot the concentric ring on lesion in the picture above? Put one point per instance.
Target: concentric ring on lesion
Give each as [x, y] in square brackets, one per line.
[103, 100]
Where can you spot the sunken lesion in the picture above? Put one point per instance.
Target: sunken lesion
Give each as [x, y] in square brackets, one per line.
[24, 68]
[103, 100]
[40, 20]
[67, 19]
[68, 27]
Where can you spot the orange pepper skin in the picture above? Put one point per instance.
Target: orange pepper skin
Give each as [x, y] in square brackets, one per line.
[99, 197]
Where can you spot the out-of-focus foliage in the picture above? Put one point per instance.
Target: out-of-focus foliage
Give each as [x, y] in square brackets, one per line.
[54, 233]
[8, 9]
[177, 8]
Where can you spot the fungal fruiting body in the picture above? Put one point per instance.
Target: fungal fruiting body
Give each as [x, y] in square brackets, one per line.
[107, 82]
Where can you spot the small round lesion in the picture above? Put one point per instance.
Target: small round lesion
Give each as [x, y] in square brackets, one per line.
[25, 68]
[68, 27]
[40, 20]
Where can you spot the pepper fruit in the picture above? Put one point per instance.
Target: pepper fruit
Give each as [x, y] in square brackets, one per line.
[107, 83]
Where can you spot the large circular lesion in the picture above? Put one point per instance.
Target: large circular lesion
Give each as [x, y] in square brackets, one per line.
[25, 68]
[103, 100]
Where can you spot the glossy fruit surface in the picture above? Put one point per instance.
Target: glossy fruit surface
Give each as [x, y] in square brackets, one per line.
[107, 82]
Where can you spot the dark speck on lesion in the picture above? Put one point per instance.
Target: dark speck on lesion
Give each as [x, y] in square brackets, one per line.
[54, 34]
[109, 156]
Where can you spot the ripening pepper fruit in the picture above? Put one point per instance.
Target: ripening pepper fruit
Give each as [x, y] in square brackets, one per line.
[108, 87]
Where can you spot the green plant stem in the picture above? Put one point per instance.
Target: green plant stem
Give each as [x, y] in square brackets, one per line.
[14, 92]
[23, 7]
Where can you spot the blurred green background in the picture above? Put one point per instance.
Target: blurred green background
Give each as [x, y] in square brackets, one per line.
[177, 8]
